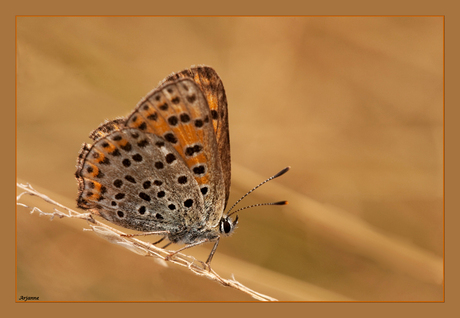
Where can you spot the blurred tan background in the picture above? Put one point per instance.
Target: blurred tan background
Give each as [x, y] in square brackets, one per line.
[353, 105]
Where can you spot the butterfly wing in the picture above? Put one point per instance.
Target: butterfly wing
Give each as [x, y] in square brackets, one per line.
[178, 112]
[212, 87]
[193, 192]
[138, 181]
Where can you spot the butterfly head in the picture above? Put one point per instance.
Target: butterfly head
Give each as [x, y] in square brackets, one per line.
[227, 225]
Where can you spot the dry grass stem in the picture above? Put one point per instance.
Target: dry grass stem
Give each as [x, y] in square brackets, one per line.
[135, 245]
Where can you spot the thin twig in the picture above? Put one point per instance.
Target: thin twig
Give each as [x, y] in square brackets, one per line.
[135, 245]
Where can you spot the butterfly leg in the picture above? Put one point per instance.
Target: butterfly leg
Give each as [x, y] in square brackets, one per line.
[214, 248]
[186, 247]
[160, 240]
[165, 245]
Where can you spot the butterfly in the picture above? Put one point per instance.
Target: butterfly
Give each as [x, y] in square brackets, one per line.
[166, 167]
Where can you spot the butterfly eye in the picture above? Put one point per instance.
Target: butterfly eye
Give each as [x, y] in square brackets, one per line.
[227, 226]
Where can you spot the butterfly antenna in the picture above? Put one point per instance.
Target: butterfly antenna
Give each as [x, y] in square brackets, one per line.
[279, 174]
[259, 204]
